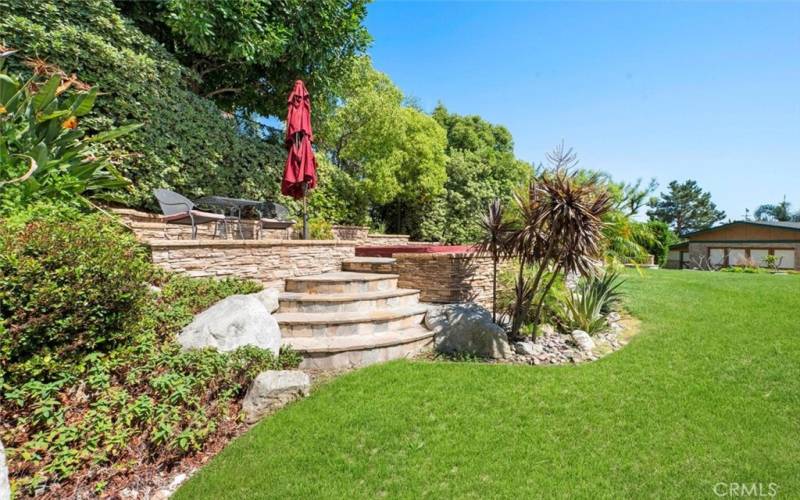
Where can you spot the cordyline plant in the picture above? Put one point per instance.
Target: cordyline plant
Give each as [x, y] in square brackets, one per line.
[556, 227]
[495, 231]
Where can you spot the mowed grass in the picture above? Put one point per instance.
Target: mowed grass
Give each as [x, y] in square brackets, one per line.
[707, 393]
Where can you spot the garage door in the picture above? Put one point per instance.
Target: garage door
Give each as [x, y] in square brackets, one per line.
[759, 256]
[786, 258]
[736, 257]
[716, 256]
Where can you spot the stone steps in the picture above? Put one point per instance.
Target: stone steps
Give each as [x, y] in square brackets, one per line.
[380, 265]
[335, 324]
[353, 351]
[347, 302]
[352, 318]
[341, 282]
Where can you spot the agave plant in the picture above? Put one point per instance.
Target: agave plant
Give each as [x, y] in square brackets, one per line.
[43, 152]
[586, 306]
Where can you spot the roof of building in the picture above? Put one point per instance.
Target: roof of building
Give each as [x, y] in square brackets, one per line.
[795, 226]
[792, 226]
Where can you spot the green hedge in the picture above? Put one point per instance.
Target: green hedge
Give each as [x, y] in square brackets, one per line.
[187, 143]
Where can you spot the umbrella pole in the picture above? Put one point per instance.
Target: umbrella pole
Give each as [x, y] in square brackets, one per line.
[305, 211]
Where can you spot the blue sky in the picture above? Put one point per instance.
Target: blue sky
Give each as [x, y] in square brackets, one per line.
[708, 91]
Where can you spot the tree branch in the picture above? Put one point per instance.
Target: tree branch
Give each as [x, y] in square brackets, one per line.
[223, 91]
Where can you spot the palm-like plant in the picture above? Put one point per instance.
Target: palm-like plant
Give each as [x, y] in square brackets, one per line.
[560, 229]
[495, 232]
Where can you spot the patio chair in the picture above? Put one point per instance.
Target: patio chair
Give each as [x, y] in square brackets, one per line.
[179, 209]
[275, 216]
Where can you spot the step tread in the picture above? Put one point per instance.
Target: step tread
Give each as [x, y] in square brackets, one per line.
[345, 297]
[370, 260]
[341, 318]
[357, 342]
[343, 276]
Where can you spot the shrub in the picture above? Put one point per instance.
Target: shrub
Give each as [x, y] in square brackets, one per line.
[43, 152]
[585, 307]
[69, 284]
[95, 388]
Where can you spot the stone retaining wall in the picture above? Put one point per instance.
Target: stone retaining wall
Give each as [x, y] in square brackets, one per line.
[386, 239]
[446, 277]
[350, 233]
[267, 261]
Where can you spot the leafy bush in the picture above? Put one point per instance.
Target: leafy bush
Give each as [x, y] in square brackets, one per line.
[69, 285]
[43, 154]
[585, 307]
[94, 387]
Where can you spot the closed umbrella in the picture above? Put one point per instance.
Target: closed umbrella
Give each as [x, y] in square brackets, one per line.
[300, 172]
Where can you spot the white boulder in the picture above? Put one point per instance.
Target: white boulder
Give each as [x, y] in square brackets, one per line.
[273, 389]
[467, 328]
[231, 323]
[5, 487]
[583, 340]
[269, 297]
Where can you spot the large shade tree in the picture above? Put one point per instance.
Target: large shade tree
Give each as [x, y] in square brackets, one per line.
[247, 54]
[392, 154]
[481, 167]
[685, 207]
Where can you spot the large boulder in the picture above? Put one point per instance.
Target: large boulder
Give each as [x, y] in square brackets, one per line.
[231, 323]
[5, 488]
[273, 389]
[467, 328]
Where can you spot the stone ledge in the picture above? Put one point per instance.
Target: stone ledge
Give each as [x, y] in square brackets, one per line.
[389, 236]
[247, 243]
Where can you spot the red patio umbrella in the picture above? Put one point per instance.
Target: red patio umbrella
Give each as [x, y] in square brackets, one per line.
[300, 173]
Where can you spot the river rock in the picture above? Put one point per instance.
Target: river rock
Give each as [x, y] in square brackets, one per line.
[231, 323]
[527, 348]
[467, 328]
[583, 340]
[273, 389]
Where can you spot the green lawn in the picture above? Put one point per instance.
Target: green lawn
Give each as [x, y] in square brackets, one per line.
[707, 393]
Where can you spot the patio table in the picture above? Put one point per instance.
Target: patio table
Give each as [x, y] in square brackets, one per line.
[231, 208]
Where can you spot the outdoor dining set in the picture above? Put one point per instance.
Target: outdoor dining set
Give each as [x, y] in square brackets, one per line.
[225, 213]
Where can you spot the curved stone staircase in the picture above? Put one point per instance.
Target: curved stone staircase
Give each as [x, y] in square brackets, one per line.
[352, 318]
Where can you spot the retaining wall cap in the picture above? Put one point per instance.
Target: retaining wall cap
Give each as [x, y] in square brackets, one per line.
[210, 243]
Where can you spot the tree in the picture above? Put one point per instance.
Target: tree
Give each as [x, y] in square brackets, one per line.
[246, 55]
[472, 132]
[481, 167]
[780, 212]
[685, 208]
[395, 154]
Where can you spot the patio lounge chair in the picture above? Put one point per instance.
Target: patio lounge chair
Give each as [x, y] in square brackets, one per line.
[275, 216]
[179, 209]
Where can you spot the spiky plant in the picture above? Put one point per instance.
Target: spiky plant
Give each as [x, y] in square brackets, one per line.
[584, 307]
[494, 230]
[560, 229]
